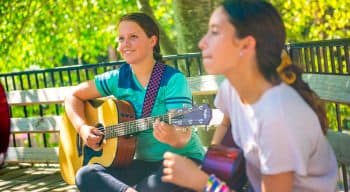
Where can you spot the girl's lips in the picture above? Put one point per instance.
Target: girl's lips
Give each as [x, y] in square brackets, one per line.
[206, 56]
[127, 52]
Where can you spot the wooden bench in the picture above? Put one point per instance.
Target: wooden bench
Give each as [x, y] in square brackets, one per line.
[331, 88]
[201, 85]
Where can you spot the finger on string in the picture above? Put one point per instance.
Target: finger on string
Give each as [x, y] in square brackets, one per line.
[98, 144]
[159, 130]
[97, 132]
[168, 155]
[162, 124]
[156, 122]
[167, 178]
[166, 163]
[167, 171]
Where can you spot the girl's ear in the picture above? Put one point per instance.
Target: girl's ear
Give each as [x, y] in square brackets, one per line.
[248, 43]
[154, 40]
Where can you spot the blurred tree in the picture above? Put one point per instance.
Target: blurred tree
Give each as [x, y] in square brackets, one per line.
[191, 21]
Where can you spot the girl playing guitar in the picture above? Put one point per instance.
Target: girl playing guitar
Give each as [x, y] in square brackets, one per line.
[276, 119]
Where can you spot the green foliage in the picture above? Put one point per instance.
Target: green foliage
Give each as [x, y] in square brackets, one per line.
[164, 13]
[307, 20]
[49, 33]
[344, 113]
[42, 33]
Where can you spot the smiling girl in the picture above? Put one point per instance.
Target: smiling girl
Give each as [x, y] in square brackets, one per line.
[138, 43]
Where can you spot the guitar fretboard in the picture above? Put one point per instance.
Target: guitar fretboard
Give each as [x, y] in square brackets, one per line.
[130, 127]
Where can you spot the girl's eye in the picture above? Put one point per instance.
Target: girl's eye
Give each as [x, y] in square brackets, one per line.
[214, 32]
[133, 37]
[120, 39]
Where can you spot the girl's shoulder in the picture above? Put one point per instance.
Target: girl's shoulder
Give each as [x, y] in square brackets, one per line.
[172, 74]
[281, 95]
[283, 104]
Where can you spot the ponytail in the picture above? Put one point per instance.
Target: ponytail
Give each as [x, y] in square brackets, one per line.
[156, 53]
[291, 74]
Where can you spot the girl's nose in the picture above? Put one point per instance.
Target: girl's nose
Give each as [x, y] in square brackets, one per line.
[202, 43]
[123, 44]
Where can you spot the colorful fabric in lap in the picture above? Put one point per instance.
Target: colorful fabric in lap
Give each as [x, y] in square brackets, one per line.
[4, 124]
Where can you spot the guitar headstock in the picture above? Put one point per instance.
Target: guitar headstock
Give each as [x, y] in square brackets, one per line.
[196, 115]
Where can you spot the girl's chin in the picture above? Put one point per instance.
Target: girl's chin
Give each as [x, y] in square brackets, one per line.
[129, 60]
[212, 72]
[210, 69]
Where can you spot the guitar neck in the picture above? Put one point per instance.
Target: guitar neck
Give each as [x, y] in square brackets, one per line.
[130, 127]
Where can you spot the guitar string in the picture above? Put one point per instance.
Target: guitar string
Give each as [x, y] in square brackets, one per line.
[137, 125]
[130, 127]
[133, 126]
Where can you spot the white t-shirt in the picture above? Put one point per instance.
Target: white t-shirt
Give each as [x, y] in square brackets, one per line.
[280, 133]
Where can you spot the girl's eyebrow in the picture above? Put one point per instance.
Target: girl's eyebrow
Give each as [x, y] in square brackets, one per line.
[132, 33]
[214, 25]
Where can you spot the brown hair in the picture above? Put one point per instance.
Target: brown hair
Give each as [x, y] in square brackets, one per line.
[261, 20]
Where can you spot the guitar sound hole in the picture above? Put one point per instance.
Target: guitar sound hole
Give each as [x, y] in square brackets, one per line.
[127, 116]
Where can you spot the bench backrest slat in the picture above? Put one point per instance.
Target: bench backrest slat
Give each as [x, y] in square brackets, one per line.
[205, 85]
[340, 143]
[32, 155]
[36, 124]
[329, 87]
[38, 96]
[200, 85]
[334, 88]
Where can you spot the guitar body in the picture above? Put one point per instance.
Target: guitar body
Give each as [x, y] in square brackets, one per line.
[228, 164]
[118, 151]
[116, 118]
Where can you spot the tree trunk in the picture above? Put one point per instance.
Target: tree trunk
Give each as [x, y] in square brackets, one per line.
[191, 20]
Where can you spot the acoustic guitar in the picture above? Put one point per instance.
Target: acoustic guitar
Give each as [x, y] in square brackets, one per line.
[227, 163]
[116, 119]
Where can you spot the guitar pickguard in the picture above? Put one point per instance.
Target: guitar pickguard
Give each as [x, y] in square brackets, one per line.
[90, 153]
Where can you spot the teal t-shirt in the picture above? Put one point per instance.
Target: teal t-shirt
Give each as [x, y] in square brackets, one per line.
[173, 93]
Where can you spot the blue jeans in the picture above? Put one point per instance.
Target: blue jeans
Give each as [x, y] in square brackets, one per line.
[142, 175]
